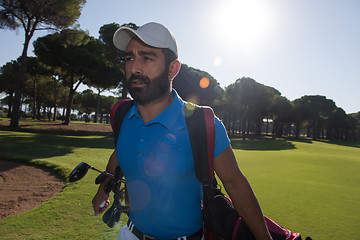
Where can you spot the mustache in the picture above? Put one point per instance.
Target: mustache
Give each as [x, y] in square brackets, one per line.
[138, 77]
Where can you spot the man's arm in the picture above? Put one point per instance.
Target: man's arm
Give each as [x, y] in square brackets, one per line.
[241, 194]
[101, 196]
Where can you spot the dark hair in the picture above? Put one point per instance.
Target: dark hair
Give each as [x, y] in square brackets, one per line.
[169, 56]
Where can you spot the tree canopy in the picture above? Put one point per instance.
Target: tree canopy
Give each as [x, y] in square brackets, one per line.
[71, 57]
[196, 85]
[8, 77]
[114, 56]
[71, 54]
[31, 16]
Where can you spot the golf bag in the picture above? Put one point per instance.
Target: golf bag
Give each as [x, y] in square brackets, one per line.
[221, 221]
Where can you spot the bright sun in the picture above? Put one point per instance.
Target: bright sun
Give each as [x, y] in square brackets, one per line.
[243, 23]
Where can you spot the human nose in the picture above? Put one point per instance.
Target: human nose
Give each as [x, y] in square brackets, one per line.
[134, 66]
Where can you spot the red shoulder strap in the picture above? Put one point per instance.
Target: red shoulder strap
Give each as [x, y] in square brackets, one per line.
[113, 110]
[200, 123]
[209, 118]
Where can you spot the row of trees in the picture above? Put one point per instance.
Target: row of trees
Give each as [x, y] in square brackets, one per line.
[44, 94]
[70, 57]
[65, 60]
[250, 108]
[32, 16]
[246, 106]
[86, 104]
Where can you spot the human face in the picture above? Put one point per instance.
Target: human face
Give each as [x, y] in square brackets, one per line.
[146, 73]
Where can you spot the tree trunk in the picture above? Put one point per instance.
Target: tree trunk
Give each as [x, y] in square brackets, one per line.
[55, 99]
[297, 130]
[308, 131]
[19, 90]
[44, 112]
[315, 128]
[10, 101]
[69, 104]
[97, 106]
[258, 126]
[34, 106]
[29, 32]
[49, 113]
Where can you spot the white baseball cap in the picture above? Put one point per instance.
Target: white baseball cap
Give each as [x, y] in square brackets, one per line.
[152, 34]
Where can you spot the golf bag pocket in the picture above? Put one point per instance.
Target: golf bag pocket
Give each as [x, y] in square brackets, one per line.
[221, 220]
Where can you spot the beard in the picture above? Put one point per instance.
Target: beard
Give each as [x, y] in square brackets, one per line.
[154, 90]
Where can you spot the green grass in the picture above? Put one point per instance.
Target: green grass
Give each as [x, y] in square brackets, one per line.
[308, 187]
[69, 215]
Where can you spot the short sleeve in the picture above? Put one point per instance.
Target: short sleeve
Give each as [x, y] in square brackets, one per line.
[222, 140]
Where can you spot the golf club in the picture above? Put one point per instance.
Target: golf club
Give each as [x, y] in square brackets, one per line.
[119, 206]
[80, 171]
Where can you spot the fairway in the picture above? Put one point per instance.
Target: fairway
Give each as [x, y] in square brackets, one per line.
[309, 187]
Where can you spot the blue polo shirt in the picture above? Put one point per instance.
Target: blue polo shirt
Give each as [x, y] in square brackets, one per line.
[156, 158]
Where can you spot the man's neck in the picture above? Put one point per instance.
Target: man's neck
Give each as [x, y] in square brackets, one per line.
[149, 111]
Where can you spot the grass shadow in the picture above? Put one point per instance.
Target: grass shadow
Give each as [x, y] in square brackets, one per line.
[302, 140]
[40, 146]
[262, 144]
[355, 144]
[54, 129]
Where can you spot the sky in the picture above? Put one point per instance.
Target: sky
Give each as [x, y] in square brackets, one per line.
[307, 47]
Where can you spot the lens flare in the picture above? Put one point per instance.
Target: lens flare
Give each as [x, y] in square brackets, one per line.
[217, 61]
[193, 99]
[204, 82]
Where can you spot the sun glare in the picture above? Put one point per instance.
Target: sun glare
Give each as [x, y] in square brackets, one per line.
[245, 23]
[204, 82]
[217, 61]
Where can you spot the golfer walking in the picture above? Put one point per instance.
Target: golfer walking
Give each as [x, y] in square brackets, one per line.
[154, 152]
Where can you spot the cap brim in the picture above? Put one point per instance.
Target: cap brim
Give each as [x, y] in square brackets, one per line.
[122, 37]
[151, 34]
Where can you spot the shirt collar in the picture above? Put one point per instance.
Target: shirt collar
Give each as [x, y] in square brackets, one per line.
[168, 117]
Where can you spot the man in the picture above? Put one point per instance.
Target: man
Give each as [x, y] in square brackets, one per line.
[154, 152]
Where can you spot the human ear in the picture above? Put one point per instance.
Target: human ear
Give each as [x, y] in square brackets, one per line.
[174, 69]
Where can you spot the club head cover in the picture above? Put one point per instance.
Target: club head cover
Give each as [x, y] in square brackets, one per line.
[109, 217]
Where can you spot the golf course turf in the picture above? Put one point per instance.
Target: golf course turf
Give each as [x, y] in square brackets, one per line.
[307, 186]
